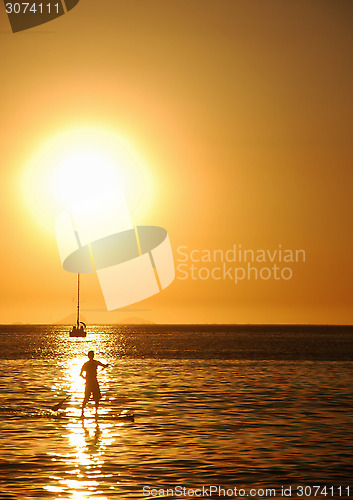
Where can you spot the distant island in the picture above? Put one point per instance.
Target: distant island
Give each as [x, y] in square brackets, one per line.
[71, 319]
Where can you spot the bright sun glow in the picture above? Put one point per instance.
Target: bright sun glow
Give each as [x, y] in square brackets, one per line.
[78, 164]
[82, 172]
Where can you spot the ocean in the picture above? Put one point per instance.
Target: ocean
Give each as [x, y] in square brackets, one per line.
[221, 411]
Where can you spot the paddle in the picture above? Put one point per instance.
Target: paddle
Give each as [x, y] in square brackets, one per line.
[59, 405]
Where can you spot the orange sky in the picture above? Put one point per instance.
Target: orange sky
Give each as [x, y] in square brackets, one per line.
[241, 111]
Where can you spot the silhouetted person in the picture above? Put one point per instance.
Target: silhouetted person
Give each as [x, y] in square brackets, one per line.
[92, 386]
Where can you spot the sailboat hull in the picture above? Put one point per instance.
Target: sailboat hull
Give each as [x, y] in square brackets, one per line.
[78, 332]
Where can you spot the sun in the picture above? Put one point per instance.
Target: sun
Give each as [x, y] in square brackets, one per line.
[82, 171]
[80, 163]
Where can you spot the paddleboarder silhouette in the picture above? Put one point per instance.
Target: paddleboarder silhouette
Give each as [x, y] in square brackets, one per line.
[92, 386]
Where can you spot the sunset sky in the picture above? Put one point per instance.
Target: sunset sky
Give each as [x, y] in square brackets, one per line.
[237, 118]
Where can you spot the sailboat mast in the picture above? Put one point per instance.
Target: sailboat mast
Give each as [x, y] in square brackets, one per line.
[78, 300]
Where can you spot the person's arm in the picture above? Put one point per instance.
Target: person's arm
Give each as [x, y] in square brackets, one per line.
[83, 369]
[102, 364]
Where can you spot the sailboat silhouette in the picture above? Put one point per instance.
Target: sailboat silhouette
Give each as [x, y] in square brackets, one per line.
[79, 330]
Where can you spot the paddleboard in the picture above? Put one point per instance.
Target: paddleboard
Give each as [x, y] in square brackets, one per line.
[126, 418]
